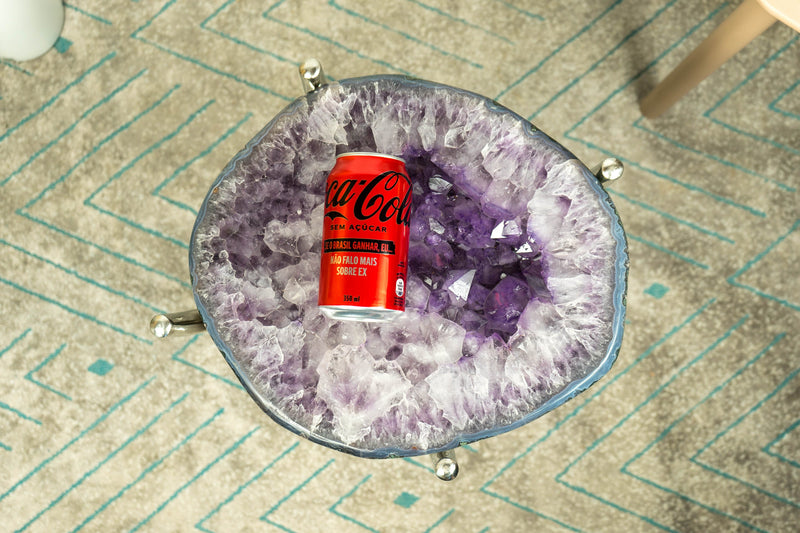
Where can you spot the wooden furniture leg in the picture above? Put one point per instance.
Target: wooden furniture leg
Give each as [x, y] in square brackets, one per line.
[746, 23]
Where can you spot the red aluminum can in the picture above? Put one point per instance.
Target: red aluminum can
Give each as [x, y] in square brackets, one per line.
[365, 238]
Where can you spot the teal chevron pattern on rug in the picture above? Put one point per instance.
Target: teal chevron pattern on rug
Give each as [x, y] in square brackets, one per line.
[109, 142]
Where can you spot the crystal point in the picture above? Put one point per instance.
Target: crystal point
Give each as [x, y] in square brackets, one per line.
[439, 185]
[460, 286]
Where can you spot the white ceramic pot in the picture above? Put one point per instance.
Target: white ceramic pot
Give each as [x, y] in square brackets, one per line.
[29, 28]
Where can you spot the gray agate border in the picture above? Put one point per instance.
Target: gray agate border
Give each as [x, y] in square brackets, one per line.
[569, 392]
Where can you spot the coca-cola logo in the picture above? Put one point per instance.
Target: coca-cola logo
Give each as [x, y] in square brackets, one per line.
[376, 198]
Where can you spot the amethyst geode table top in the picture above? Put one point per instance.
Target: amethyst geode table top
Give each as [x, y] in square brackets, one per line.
[515, 292]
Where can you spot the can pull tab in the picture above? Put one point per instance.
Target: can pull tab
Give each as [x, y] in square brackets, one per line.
[183, 323]
[311, 75]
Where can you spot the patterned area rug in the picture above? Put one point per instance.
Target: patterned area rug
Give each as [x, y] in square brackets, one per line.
[108, 144]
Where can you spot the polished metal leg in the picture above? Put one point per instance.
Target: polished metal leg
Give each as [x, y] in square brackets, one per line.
[184, 322]
[311, 75]
[444, 465]
[609, 169]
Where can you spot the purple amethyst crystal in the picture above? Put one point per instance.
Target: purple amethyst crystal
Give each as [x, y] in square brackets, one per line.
[505, 302]
[516, 272]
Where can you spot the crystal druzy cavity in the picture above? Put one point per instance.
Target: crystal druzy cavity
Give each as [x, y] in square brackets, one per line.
[516, 272]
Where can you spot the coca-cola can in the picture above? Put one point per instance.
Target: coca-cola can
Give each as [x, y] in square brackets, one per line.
[365, 238]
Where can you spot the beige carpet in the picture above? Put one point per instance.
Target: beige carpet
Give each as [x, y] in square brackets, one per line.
[109, 142]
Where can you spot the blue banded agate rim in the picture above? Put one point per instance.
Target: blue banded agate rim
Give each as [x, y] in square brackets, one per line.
[255, 371]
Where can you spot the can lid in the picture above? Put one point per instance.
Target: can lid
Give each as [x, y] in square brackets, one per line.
[371, 154]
